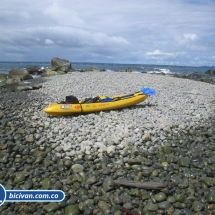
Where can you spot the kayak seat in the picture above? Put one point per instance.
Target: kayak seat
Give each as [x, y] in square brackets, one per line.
[70, 100]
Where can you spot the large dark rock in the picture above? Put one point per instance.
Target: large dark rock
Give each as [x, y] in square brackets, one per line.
[19, 73]
[210, 72]
[35, 70]
[61, 65]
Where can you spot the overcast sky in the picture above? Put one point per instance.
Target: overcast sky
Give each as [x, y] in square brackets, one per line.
[179, 32]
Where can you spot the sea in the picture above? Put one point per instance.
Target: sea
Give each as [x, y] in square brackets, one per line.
[5, 67]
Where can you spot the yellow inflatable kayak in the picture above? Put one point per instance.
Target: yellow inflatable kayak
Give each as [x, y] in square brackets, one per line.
[74, 106]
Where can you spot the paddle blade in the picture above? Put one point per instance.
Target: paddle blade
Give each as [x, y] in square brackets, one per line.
[148, 91]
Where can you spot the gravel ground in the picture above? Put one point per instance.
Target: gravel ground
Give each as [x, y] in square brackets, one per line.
[169, 138]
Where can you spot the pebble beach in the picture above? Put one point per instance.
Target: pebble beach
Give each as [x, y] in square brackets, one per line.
[169, 138]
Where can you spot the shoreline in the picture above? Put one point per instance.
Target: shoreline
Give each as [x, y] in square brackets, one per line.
[168, 138]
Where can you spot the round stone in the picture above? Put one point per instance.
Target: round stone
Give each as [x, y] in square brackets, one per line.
[19, 178]
[103, 206]
[159, 197]
[53, 206]
[211, 197]
[164, 205]
[184, 162]
[197, 206]
[76, 168]
[72, 210]
[167, 149]
[108, 184]
[46, 184]
[180, 197]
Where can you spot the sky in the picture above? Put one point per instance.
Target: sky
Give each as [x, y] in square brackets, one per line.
[167, 32]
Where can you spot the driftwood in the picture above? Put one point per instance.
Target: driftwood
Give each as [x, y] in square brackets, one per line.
[151, 185]
[128, 211]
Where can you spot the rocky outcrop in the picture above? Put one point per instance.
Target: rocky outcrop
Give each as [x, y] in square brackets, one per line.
[19, 73]
[49, 71]
[195, 76]
[210, 72]
[35, 70]
[127, 70]
[16, 84]
[3, 79]
[61, 65]
[14, 81]
[96, 69]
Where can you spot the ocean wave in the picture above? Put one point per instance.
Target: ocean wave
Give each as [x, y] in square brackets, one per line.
[165, 70]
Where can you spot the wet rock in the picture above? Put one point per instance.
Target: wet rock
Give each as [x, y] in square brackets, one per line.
[27, 185]
[211, 197]
[108, 184]
[51, 207]
[19, 73]
[164, 205]
[103, 206]
[184, 162]
[19, 178]
[167, 149]
[72, 210]
[46, 184]
[197, 206]
[180, 197]
[152, 207]
[159, 197]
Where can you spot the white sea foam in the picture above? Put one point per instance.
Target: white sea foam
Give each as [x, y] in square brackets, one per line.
[109, 70]
[136, 72]
[26, 82]
[165, 71]
[158, 71]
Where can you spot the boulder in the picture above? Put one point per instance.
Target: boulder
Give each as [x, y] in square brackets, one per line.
[34, 70]
[14, 81]
[87, 69]
[96, 69]
[3, 79]
[20, 73]
[210, 72]
[127, 70]
[61, 65]
[17, 87]
[49, 72]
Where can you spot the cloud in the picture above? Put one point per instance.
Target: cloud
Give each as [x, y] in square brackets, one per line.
[164, 54]
[192, 37]
[119, 31]
[24, 14]
[48, 42]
